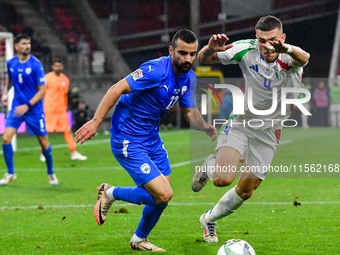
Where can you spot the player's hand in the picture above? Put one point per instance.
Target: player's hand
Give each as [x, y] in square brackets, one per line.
[4, 100]
[21, 110]
[210, 131]
[277, 46]
[217, 43]
[87, 131]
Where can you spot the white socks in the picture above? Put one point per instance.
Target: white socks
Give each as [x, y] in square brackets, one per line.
[228, 204]
[136, 239]
[109, 193]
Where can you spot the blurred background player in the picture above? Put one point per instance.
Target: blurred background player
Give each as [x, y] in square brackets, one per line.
[278, 65]
[334, 110]
[321, 101]
[27, 76]
[55, 107]
[143, 98]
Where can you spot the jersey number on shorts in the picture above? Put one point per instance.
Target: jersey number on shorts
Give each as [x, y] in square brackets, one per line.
[42, 125]
[173, 101]
[267, 83]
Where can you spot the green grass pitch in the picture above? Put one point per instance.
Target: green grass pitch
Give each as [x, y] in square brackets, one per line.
[36, 218]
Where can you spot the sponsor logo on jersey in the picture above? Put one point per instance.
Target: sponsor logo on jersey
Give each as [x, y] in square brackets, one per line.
[184, 89]
[145, 168]
[42, 79]
[28, 70]
[63, 83]
[167, 89]
[137, 74]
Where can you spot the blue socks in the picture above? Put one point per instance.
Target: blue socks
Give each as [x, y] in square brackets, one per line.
[49, 161]
[149, 219]
[8, 155]
[151, 211]
[134, 195]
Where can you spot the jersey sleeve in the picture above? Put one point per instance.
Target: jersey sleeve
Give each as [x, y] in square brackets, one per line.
[39, 74]
[189, 99]
[148, 76]
[9, 73]
[235, 54]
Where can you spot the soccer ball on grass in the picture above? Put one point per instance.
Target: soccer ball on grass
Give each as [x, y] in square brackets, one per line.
[236, 247]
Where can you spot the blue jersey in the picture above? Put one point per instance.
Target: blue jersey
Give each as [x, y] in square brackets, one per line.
[25, 79]
[155, 88]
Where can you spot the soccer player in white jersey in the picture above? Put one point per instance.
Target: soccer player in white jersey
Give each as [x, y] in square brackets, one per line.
[266, 62]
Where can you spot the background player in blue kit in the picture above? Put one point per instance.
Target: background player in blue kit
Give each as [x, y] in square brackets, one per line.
[28, 78]
[142, 99]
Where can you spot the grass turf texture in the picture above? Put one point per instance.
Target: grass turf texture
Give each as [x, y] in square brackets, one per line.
[270, 227]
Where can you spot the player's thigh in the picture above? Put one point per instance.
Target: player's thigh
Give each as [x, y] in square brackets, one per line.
[8, 135]
[62, 124]
[232, 145]
[43, 141]
[227, 162]
[135, 160]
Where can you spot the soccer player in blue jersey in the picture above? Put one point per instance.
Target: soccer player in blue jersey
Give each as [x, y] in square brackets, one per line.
[142, 98]
[28, 78]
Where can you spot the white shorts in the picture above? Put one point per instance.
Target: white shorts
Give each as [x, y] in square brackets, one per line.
[257, 147]
[334, 108]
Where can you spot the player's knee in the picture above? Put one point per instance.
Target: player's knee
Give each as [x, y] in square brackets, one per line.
[222, 182]
[43, 141]
[6, 139]
[164, 198]
[245, 195]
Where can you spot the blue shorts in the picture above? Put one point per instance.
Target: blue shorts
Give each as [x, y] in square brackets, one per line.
[143, 162]
[35, 121]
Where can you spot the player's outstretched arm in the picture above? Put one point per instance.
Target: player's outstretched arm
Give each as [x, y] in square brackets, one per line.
[208, 55]
[298, 55]
[89, 129]
[194, 118]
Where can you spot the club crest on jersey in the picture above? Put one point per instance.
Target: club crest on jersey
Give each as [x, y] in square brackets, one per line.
[145, 168]
[28, 70]
[137, 74]
[184, 89]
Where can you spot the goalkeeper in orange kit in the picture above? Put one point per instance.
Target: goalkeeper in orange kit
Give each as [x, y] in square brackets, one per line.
[55, 107]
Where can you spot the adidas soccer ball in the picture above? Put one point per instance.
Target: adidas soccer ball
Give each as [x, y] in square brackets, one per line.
[236, 247]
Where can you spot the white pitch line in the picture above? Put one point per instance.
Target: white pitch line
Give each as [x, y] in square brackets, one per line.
[170, 204]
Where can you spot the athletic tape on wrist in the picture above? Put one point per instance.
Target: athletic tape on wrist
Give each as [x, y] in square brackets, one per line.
[290, 49]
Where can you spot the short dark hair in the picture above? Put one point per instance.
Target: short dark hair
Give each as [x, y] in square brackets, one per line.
[20, 37]
[57, 60]
[185, 35]
[268, 23]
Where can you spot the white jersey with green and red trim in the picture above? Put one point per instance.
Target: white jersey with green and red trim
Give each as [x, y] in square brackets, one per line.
[262, 77]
